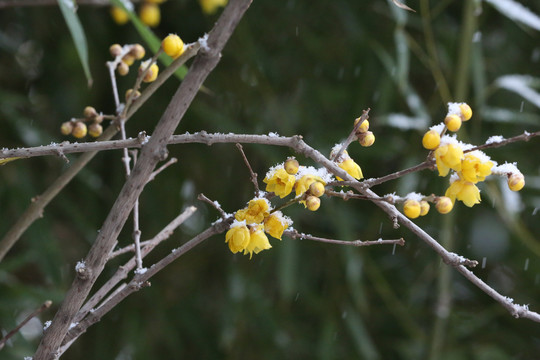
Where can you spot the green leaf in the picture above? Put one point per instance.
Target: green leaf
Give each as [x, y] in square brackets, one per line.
[68, 8]
[150, 38]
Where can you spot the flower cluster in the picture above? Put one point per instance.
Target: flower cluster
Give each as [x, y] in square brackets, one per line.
[78, 127]
[247, 232]
[466, 166]
[128, 54]
[149, 13]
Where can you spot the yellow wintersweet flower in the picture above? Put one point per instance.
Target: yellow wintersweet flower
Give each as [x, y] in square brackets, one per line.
[275, 224]
[280, 183]
[474, 170]
[237, 237]
[257, 242]
[209, 7]
[255, 213]
[303, 184]
[448, 157]
[351, 168]
[464, 191]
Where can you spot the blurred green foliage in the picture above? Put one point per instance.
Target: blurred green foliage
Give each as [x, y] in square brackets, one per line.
[291, 67]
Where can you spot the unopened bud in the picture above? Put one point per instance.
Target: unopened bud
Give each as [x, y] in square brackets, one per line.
[89, 112]
[79, 130]
[123, 69]
[313, 203]
[316, 189]
[66, 128]
[115, 50]
[95, 130]
[366, 139]
[291, 166]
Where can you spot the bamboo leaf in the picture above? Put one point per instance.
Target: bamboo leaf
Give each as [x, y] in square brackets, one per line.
[69, 11]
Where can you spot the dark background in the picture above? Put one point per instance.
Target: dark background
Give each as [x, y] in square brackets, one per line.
[291, 67]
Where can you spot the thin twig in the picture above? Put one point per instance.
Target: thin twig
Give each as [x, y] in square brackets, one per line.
[151, 154]
[162, 167]
[35, 313]
[124, 270]
[35, 210]
[253, 176]
[139, 280]
[352, 135]
[297, 235]
[214, 204]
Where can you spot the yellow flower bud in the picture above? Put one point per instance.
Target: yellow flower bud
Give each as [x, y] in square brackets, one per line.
[431, 140]
[453, 122]
[128, 59]
[443, 204]
[363, 127]
[135, 96]
[316, 189]
[115, 50]
[150, 14]
[95, 130]
[411, 209]
[313, 203]
[152, 73]
[137, 51]
[66, 128]
[424, 207]
[366, 139]
[291, 166]
[123, 69]
[79, 130]
[516, 181]
[173, 46]
[466, 111]
[89, 112]
[119, 15]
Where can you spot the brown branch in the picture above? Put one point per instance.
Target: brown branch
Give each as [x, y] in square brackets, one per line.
[253, 176]
[139, 281]
[297, 235]
[47, 304]
[35, 210]
[214, 204]
[124, 270]
[24, 3]
[154, 151]
[526, 136]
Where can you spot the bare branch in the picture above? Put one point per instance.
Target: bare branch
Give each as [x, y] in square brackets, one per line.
[153, 152]
[47, 304]
[214, 204]
[253, 176]
[35, 210]
[297, 235]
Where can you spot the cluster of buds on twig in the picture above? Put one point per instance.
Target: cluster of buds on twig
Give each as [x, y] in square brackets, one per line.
[79, 128]
[466, 165]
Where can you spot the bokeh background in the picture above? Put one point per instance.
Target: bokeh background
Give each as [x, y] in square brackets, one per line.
[291, 67]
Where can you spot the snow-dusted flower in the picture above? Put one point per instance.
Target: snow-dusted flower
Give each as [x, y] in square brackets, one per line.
[257, 241]
[475, 168]
[279, 182]
[464, 191]
[302, 185]
[255, 213]
[275, 224]
[448, 157]
[237, 237]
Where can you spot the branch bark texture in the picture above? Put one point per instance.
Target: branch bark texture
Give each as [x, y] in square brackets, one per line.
[154, 151]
